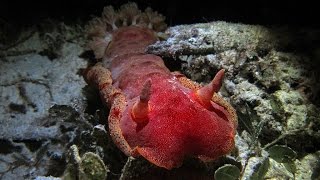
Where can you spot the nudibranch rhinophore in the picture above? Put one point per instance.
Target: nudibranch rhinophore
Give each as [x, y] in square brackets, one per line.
[160, 115]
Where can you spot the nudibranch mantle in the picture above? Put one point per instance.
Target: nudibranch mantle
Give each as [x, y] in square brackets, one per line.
[160, 115]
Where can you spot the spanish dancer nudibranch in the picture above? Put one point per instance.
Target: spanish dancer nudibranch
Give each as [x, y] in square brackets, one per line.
[160, 115]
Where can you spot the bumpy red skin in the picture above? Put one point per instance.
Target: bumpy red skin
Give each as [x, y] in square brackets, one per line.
[177, 125]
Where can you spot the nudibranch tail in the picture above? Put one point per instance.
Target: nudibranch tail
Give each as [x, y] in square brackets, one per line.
[205, 93]
[141, 108]
[99, 29]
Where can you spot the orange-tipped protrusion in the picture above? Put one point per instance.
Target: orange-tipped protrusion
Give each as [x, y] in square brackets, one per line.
[140, 109]
[205, 93]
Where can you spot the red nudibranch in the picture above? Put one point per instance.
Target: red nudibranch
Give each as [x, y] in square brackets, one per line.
[159, 115]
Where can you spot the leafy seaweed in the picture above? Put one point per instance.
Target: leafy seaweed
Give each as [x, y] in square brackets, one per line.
[227, 172]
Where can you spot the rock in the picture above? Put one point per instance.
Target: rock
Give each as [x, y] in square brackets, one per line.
[42, 102]
[308, 167]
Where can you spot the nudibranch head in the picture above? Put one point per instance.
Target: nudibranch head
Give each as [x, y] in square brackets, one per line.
[176, 123]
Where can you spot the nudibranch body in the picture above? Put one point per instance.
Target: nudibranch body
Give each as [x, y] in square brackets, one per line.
[155, 113]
